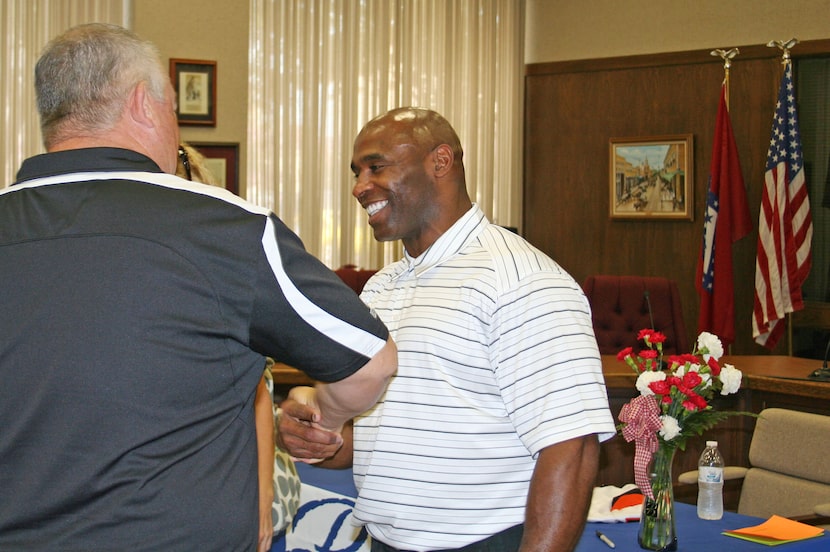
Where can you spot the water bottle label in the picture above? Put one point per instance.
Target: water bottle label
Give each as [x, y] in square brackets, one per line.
[708, 474]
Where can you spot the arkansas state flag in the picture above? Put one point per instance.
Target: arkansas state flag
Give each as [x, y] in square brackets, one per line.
[726, 221]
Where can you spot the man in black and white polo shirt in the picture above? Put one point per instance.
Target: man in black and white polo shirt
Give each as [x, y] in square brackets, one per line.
[487, 438]
[138, 309]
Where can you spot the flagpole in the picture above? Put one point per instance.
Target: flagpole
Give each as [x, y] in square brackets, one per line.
[785, 226]
[786, 60]
[726, 56]
[726, 219]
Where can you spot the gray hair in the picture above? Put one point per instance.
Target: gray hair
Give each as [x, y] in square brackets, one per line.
[84, 76]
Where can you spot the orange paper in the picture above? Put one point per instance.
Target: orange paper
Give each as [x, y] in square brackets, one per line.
[777, 530]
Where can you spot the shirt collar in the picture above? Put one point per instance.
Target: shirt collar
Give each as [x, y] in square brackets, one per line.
[86, 160]
[448, 244]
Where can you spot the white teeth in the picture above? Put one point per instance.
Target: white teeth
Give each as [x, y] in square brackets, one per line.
[375, 207]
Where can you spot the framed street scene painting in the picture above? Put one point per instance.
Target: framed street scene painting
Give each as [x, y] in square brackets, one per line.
[651, 177]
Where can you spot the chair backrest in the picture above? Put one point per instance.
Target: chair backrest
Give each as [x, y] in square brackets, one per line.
[354, 277]
[621, 306]
[789, 461]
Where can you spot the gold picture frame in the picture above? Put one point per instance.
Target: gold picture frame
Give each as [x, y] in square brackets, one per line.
[652, 177]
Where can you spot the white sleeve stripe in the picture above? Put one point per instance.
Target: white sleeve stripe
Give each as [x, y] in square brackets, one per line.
[349, 336]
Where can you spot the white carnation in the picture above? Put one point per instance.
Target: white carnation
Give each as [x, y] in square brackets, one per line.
[730, 377]
[680, 371]
[644, 379]
[711, 343]
[669, 428]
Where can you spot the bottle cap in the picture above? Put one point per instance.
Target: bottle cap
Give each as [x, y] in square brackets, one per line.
[711, 443]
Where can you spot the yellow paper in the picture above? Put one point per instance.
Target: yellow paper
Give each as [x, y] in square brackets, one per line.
[776, 530]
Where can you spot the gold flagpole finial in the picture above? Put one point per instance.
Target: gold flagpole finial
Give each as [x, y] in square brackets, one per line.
[726, 56]
[784, 46]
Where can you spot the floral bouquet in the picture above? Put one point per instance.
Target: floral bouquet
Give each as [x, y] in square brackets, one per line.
[673, 405]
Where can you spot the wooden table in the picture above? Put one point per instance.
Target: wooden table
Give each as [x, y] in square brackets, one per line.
[768, 381]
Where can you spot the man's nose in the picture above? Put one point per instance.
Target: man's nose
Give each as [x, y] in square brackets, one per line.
[362, 184]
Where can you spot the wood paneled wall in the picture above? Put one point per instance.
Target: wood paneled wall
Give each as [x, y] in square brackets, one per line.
[573, 109]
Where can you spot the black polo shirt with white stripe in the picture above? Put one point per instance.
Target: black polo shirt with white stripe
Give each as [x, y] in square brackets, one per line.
[137, 311]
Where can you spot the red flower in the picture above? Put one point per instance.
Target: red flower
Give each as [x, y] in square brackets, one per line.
[644, 333]
[714, 366]
[648, 354]
[651, 336]
[624, 353]
[688, 357]
[660, 387]
[692, 379]
[657, 337]
[689, 405]
[699, 402]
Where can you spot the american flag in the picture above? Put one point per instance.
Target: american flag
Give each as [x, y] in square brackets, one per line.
[785, 226]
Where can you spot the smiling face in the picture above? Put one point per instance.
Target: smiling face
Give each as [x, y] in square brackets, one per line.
[395, 184]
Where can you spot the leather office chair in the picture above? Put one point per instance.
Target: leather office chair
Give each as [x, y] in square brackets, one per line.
[623, 305]
[789, 473]
[354, 277]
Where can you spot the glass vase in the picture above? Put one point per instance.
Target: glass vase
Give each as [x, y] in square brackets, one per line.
[657, 524]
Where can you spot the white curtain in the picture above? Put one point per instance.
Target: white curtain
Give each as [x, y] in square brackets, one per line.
[25, 28]
[320, 69]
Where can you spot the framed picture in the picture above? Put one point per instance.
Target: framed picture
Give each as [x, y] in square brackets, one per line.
[194, 81]
[222, 160]
[652, 177]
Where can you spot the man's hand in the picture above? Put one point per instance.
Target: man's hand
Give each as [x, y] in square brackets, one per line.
[298, 432]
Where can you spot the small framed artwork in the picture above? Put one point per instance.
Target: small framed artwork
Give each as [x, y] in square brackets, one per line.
[222, 160]
[652, 177]
[194, 81]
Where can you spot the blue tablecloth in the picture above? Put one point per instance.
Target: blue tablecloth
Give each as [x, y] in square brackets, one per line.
[693, 534]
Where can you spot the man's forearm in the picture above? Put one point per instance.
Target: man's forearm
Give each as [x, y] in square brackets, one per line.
[341, 401]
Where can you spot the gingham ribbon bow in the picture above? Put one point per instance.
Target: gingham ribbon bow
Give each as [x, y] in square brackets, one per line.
[642, 420]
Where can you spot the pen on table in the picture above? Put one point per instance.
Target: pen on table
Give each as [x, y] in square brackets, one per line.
[606, 540]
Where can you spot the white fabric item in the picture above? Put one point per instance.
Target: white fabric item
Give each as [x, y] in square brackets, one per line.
[324, 522]
[601, 501]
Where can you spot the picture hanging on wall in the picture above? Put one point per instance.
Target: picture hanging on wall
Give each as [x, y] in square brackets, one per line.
[222, 160]
[194, 81]
[652, 177]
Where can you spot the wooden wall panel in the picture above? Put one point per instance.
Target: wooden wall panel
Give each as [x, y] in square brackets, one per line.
[573, 109]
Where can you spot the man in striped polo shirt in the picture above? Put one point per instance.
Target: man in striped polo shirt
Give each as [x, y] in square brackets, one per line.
[487, 439]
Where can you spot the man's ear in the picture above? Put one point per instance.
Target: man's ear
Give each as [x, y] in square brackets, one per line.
[443, 159]
[139, 105]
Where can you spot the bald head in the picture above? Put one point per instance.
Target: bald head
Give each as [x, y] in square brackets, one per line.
[423, 128]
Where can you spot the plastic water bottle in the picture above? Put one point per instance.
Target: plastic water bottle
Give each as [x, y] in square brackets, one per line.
[710, 483]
